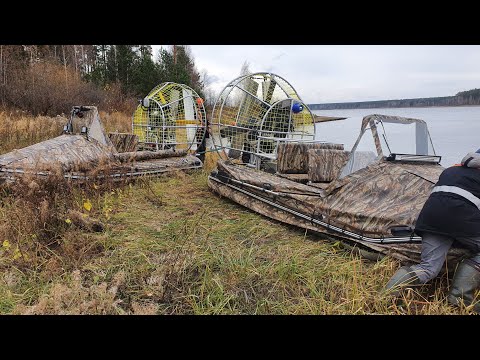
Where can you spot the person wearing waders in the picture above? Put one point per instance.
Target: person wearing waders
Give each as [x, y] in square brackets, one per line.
[450, 214]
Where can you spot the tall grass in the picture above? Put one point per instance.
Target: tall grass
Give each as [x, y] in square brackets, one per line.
[18, 130]
[171, 246]
[116, 121]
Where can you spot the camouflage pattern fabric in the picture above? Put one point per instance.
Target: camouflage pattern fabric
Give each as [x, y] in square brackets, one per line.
[376, 138]
[385, 194]
[133, 156]
[66, 152]
[368, 202]
[324, 165]
[292, 157]
[124, 142]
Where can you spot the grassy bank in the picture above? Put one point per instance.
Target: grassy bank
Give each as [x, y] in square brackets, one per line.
[171, 246]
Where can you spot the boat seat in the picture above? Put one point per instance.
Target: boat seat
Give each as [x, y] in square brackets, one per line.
[292, 157]
[324, 165]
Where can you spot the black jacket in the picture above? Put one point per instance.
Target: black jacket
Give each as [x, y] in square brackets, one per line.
[451, 214]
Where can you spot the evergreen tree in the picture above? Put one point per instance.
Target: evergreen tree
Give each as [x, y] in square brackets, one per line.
[146, 73]
[125, 61]
[111, 66]
[165, 65]
[98, 67]
[177, 65]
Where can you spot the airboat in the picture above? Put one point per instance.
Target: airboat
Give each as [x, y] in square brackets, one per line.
[368, 197]
[168, 127]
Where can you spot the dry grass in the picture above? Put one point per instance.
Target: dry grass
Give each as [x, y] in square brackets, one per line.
[116, 122]
[171, 246]
[169, 250]
[210, 161]
[19, 130]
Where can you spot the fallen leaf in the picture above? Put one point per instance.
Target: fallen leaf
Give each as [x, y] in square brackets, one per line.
[17, 254]
[87, 205]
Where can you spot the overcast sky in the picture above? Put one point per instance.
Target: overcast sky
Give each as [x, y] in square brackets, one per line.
[342, 73]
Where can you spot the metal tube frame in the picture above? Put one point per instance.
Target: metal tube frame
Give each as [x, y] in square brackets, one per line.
[164, 126]
[233, 84]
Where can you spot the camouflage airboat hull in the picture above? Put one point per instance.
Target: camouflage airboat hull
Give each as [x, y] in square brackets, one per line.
[92, 155]
[81, 159]
[359, 209]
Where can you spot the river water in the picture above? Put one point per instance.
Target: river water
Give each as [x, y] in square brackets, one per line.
[455, 131]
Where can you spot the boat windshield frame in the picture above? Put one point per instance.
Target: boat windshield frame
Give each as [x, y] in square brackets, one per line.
[422, 139]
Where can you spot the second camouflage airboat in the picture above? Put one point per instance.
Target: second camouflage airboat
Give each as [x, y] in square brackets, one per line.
[168, 128]
[368, 197]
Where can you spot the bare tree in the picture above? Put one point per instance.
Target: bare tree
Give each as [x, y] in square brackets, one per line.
[245, 70]
[209, 93]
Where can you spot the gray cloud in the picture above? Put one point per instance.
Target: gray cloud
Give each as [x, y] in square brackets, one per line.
[336, 73]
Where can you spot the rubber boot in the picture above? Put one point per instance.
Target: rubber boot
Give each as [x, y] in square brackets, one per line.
[404, 277]
[465, 281]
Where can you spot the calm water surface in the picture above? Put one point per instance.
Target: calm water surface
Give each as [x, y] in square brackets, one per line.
[455, 131]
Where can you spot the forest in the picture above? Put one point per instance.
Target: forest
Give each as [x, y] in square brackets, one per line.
[49, 79]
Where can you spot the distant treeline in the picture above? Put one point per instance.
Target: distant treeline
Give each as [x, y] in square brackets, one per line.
[469, 97]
